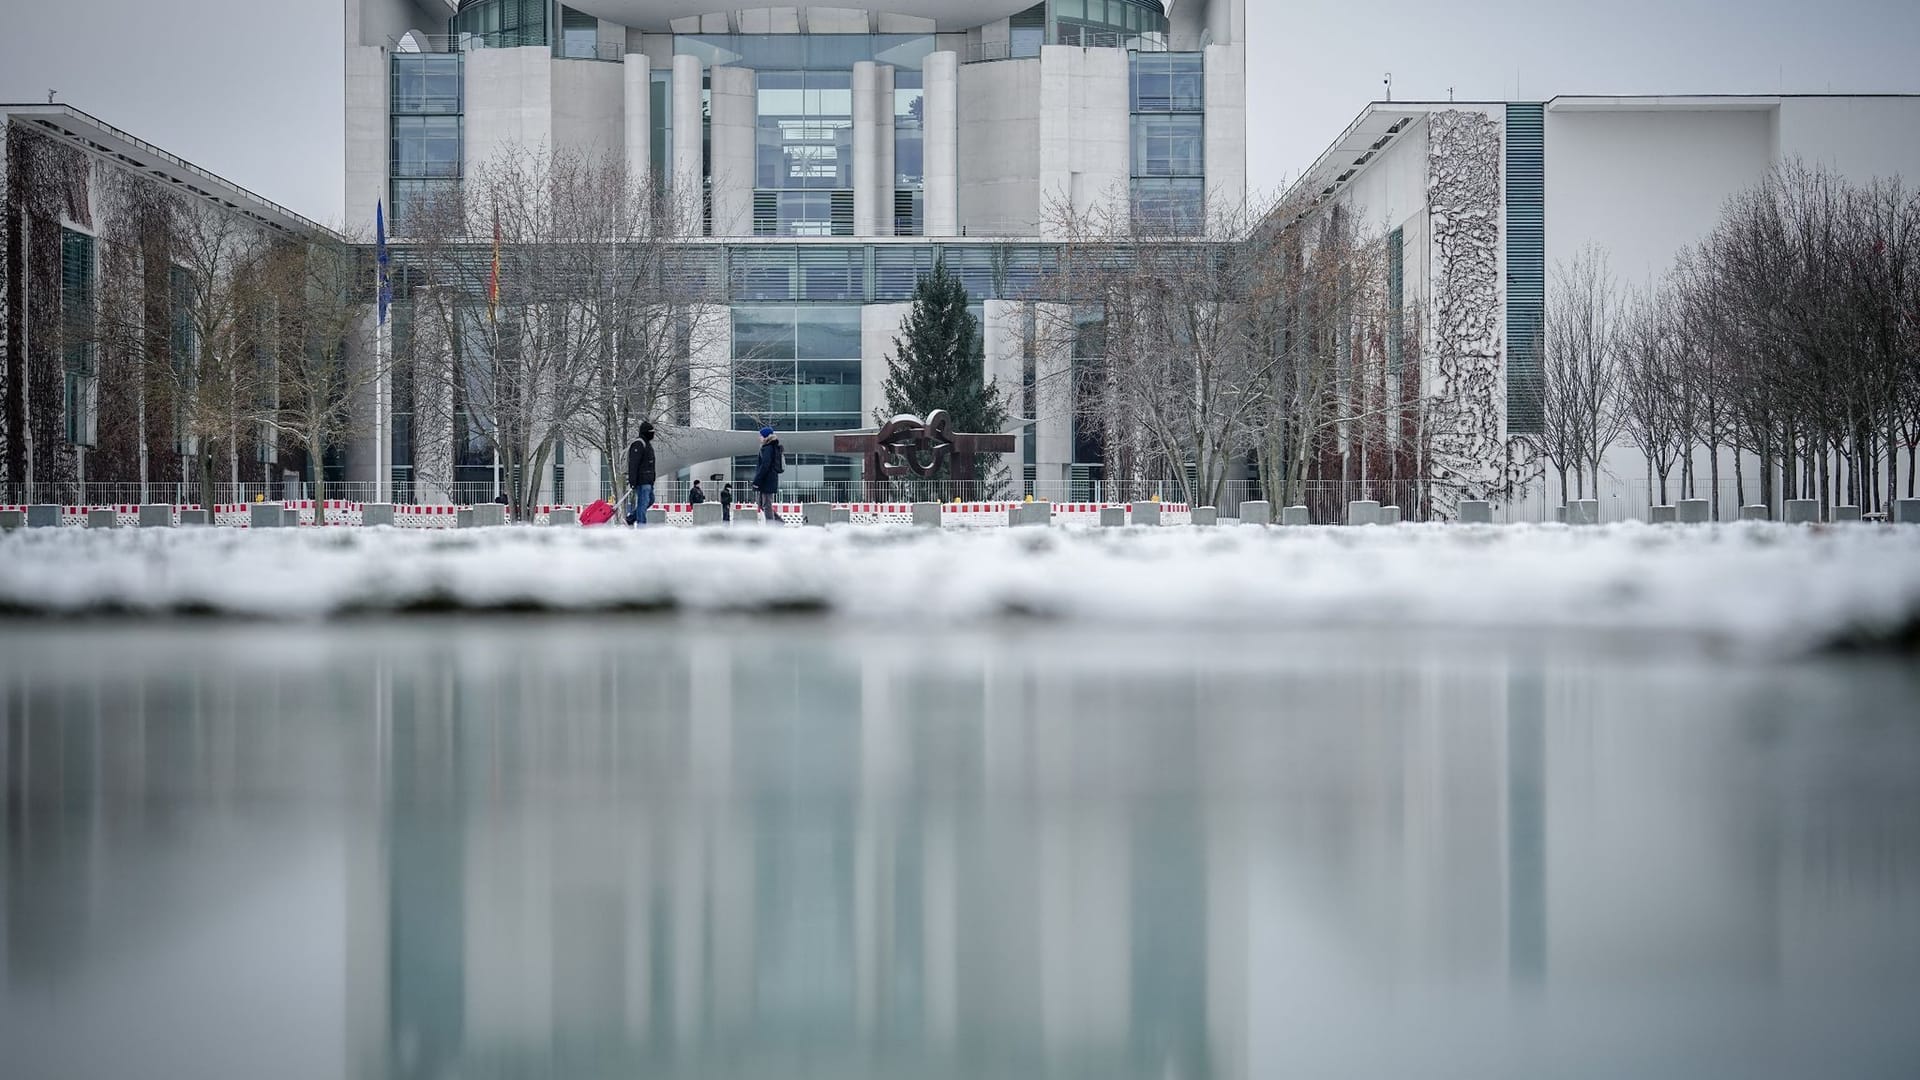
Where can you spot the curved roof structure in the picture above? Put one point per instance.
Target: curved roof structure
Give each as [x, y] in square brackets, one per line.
[658, 14]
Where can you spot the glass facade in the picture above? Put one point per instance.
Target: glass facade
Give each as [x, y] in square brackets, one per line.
[803, 154]
[1106, 23]
[909, 153]
[1169, 141]
[426, 132]
[796, 367]
[503, 24]
[579, 35]
[806, 52]
[77, 345]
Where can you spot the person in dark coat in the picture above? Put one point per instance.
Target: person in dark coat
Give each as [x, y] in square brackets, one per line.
[726, 502]
[696, 496]
[640, 473]
[766, 474]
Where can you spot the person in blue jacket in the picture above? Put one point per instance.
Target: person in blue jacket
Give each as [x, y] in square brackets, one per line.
[766, 474]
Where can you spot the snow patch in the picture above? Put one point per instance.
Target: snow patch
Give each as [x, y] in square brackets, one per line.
[1761, 585]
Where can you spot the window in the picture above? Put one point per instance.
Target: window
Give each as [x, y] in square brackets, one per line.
[503, 24]
[426, 146]
[797, 367]
[1168, 146]
[412, 197]
[77, 330]
[1396, 297]
[1107, 23]
[579, 35]
[1029, 32]
[426, 83]
[1169, 82]
[1168, 206]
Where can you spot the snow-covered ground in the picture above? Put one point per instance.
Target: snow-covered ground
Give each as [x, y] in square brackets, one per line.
[1764, 586]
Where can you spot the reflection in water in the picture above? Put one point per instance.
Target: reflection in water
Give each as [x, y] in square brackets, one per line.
[604, 848]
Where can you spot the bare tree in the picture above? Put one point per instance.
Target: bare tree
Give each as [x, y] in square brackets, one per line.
[1583, 390]
[1651, 408]
[212, 382]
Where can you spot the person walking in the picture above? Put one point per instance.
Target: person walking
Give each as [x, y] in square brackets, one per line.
[696, 496]
[766, 474]
[640, 471]
[726, 502]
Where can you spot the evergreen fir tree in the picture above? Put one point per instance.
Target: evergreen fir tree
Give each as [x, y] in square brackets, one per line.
[940, 363]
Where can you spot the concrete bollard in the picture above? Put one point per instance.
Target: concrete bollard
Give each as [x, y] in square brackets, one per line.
[1295, 516]
[562, 516]
[1583, 512]
[290, 517]
[266, 515]
[1476, 512]
[156, 516]
[12, 519]
[491, 516]
[656, 516]
[376, 514]
[1387, 515]
[196, 517]
[1693, 511]
[840, 516]
[707, 513]
[463, 518]
[1363, 512]
[103, 518]
[43, 516]
[1146, 513]
[1256, 513]
[1800, 511]
[1845, 513]
[816, 513]
[1033, 513]
[747, 515]
[1206, 515]
[1112, 517]
[1560, 515]
[926, 515]
[1662, 515]
[1756, 512]
[1907, 511]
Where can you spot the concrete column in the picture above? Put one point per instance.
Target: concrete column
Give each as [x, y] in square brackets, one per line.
[941, 72]
[1004, 333]
[866, 148]
[1085, 131]
[1226, 128]
[1256, 513]
[733, 149]
[509, 104]
[688, 166]
[637, 89]
[1053, 403]
[369, 82]
[1476, 512]
[884, 170]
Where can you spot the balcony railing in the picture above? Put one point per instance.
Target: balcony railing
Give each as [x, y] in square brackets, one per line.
[984, 51]
[418, 44]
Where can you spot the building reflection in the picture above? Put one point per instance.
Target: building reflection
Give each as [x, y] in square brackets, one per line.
[723, 851]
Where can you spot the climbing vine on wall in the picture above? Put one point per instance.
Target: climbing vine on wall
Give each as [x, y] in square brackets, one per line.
[1465, 450]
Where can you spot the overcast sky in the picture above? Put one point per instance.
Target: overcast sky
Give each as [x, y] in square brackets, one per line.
[250, 89]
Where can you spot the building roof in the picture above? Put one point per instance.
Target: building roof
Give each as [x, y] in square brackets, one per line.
[658, 15]
[1380, 122]
[108, 143]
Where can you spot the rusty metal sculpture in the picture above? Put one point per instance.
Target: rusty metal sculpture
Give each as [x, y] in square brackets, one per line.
[909, 446]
